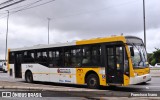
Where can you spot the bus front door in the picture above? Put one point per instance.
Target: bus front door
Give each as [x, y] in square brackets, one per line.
[114, 65]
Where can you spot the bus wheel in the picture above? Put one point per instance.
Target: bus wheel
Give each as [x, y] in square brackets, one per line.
[29, 77]
[93, 81]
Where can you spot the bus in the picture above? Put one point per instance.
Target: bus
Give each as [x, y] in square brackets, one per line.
[106, 61]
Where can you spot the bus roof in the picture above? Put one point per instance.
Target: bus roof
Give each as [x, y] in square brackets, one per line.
[79, 42]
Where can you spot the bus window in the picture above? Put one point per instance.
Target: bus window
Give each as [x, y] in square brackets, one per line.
[67, 57]
[50, 56]
[42, 57]
[110, 58]
[76, 57]
[86, 61]
[28, 56]
[91, 56]
[55, 58]
[119, 57]
[96, 56]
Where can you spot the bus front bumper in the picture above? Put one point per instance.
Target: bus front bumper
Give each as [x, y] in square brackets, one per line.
[140, 79]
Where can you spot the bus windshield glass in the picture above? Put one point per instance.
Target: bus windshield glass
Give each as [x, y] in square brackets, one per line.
[139, 58]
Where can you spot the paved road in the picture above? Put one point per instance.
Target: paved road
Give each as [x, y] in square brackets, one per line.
[152, 87]
[53, 95]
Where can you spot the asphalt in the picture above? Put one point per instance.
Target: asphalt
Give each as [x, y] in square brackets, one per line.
[19, 84]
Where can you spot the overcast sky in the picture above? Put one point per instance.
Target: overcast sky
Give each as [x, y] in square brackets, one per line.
[78, 19]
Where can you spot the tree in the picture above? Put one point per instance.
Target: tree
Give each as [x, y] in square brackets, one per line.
[155, 57]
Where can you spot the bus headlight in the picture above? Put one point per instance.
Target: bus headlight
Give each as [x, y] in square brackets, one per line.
[135, 74]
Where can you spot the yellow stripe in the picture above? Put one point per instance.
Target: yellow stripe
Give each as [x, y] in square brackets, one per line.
[53, 73]
[102, 40]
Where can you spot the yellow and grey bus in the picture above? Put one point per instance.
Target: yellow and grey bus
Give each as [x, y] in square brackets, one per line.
[107, 61]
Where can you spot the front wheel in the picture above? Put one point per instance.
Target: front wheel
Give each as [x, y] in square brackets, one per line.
[93, 81]
[29, 77]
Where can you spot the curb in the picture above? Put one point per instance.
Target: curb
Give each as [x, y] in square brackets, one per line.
[48, 89]
[155, 76]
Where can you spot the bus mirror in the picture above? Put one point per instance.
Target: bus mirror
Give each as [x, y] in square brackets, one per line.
[132, 51]
[5, 64]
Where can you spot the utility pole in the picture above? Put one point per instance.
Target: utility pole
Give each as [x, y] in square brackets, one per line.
[7, 36]
[144, 20]
[48, 28]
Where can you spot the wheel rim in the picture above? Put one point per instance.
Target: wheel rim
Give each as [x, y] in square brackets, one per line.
[92, 82]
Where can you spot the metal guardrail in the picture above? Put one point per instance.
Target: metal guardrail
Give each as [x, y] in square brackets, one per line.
[155, 68]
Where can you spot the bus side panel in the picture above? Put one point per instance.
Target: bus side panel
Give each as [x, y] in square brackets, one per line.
[126, 80]
[54, 76]
[39, 72]
[102, 76]
[82, 72]
[63, 75]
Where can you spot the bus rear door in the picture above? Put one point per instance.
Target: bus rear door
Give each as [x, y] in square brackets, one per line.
[17, 65]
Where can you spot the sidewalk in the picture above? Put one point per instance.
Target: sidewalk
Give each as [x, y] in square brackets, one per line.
[155, 72]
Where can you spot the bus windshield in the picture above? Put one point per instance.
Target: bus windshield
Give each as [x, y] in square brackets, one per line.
[140, 56]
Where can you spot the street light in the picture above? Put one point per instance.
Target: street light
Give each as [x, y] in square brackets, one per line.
[6, 36]
[48, 28]
[144, 20]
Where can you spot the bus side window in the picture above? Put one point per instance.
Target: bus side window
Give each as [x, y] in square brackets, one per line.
[50, 59]
[91, 55]
[44, 54]
[96, 56]
[86, 61]
[76, 57]
[39, 56]
[67, 57]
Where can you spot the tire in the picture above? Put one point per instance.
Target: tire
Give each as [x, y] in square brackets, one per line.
[4, 71]
[93, 81]
[29, 77]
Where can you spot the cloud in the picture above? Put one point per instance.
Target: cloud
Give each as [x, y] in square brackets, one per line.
[81, 19]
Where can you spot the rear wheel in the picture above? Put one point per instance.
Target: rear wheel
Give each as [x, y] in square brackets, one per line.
[93, 81]
[29, 77]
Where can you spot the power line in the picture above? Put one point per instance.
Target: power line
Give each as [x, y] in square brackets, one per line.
[34, 6]
[26, 8]
[27, 5]
[6, 2]
[10, 3]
